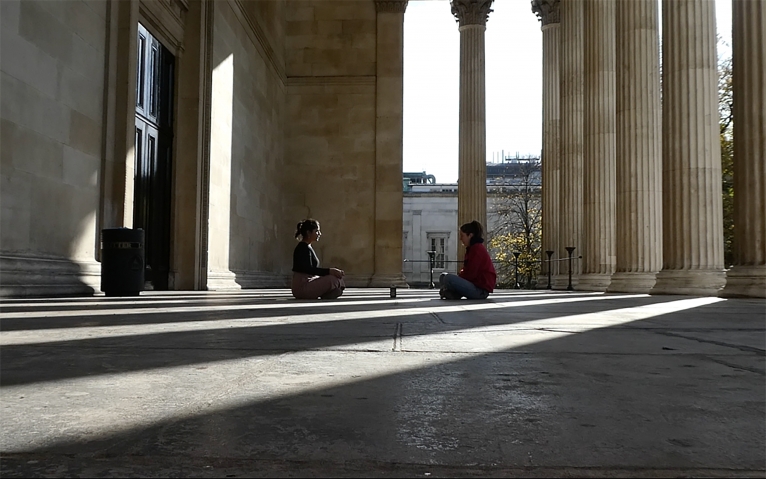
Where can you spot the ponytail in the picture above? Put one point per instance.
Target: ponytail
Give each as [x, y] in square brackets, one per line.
[305, 227]
[473, 227]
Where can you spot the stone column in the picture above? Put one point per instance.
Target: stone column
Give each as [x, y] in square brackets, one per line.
[599, 155]
[692, 212]
[548, 12]
[639, 161]
[388, 143]
[472, 17]
[748, 275]
[570, 209]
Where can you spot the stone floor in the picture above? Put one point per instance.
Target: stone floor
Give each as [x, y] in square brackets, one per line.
[255, 383]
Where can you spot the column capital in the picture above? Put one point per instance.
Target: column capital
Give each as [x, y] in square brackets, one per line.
[547, 11]
[390, 6]
[471, 12]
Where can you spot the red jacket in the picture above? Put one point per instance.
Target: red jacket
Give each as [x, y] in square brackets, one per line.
[478, 267]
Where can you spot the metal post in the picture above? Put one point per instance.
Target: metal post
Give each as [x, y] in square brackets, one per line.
[431, 261]
[549, 253]
[569, 252]
[516, 267]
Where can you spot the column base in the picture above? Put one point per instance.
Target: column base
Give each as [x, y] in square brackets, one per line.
[560, 281]
[593, 282]
[632, 283]
[261, 279]
[24, 276]
[745, 282]
[222, 281]
[357, 281]
[690, 282]
[382, 280]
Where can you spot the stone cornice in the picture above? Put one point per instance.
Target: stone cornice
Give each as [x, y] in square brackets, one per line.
[391, 6]
[547, 11]
[471, 12]
[258, 37]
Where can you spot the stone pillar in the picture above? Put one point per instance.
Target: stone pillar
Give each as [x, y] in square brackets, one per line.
[472, 17]
[599, 143]
[388, 143]
[191, 169]
[219, 275]
[570, 209]
[548, 12]
[692, 212]
[748, 275]
[639, 161]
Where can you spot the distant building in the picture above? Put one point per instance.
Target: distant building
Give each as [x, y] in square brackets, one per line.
[430, 217]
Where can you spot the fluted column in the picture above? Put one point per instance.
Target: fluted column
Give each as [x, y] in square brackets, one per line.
[389, 132]
[570, 209]
[639, 162]
[548, 12]
[472, 18]
[748, 275]
[599, 147]
[692, 211]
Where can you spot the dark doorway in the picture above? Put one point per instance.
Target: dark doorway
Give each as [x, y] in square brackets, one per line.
[153, 154]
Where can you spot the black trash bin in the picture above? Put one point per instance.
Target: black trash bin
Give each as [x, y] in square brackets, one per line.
[122, 261]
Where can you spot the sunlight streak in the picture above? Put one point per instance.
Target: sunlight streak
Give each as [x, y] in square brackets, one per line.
[236, 383]
[54, 335]
[157, 300]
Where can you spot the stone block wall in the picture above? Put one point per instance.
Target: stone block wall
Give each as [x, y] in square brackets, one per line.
[330, 55]
[52, 80]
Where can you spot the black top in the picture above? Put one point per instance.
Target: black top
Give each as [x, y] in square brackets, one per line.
[306, 261]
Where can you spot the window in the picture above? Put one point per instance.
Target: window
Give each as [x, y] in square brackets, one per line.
[438, 242]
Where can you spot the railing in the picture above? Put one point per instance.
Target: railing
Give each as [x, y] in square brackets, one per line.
[570, 249]
[549, 253]
[431, 264]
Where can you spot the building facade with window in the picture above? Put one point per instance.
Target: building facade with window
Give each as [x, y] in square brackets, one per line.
[430, 224]
[430, 218]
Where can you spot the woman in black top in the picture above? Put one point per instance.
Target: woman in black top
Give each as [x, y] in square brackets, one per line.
[309, 280]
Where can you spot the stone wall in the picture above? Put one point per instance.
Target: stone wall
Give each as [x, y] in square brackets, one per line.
[330, 53]
[52, 82]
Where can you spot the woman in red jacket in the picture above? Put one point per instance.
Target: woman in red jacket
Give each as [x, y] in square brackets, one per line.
[477, 277]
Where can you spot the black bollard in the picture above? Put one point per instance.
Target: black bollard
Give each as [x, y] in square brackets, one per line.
[549, 253]
[431, 261]
[516, 267]
[569, 252]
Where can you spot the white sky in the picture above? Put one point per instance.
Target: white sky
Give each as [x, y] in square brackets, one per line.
[513, 83]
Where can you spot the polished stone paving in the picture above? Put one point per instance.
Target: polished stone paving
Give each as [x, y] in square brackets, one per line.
[257, 384]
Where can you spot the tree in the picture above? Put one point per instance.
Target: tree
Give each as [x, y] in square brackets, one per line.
[515, 219]
[725, 108]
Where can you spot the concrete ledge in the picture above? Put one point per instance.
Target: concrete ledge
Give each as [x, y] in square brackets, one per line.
[745, 281]
[388, 280]
[35, 275]
[261, 279]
